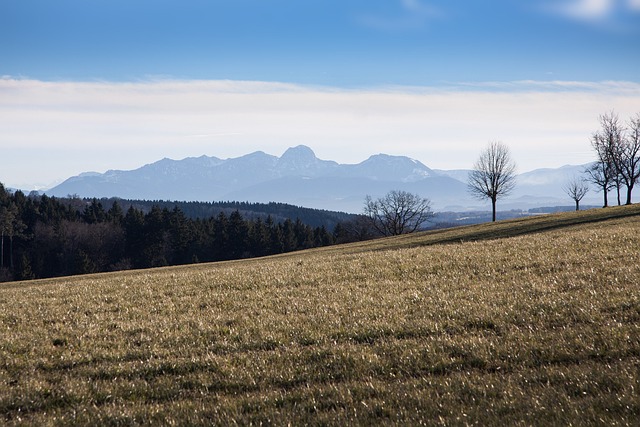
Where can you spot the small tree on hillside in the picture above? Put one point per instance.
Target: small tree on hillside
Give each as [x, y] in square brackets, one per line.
[576, 189]
[493, 174]
[399, 212]
[600, 173]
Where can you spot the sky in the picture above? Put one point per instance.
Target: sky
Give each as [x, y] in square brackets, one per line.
[93, 85]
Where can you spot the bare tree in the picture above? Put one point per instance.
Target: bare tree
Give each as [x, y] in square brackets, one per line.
[493, 174]
[576, 188]
[629, 164]
[618, 152]
[600, 173]
[399, 212]
[608, 146]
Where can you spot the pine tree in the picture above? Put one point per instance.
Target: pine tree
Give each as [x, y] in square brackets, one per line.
[115, 214]
[94, 212]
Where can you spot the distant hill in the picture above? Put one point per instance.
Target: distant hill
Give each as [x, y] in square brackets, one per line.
[299, 178]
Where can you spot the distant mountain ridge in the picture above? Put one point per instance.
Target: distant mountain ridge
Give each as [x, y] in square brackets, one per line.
[298, 177]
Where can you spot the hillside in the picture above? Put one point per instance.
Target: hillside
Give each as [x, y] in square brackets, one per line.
[531, 321]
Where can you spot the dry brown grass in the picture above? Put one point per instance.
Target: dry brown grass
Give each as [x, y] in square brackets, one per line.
[541, 328]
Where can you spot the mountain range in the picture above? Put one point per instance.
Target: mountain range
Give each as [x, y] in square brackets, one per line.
[298, 177]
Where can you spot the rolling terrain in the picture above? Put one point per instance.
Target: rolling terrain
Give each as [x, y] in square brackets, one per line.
[527, 321]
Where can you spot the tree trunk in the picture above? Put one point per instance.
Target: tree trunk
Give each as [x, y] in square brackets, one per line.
[618, 189]
[629, 190]
[606, 199]
[493, 209]
[577, 205]
[2, 251]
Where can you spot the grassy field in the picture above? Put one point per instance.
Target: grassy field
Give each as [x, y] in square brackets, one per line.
[524, 322]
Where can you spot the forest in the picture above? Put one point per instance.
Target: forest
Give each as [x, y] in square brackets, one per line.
[279, 212]
[43, 236]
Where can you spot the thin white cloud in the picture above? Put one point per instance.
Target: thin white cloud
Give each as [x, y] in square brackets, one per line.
[609, 14]
[53, 130]
[618, 87]
[588, 9]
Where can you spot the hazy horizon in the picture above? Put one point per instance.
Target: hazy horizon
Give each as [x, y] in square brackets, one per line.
[90, 172]
[88, 86]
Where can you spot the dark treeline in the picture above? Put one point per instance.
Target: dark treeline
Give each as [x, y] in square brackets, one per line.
[42, 236]
[279, 212]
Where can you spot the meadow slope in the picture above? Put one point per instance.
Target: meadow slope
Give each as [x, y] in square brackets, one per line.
[525, 322]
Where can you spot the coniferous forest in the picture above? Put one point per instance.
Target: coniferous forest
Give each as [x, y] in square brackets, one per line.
[44, 236]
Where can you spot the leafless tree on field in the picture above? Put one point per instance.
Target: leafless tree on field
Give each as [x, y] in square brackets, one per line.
[600, 173]
[576, 188]
[617, 149]
[629, 167]
[607, 144]
[398, 212]
[493, 174]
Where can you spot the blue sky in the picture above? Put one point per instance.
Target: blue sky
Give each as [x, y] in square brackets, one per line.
[432, 67]
[328, 42]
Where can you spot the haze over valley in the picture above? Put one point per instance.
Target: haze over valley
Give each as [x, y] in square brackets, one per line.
[300, 178]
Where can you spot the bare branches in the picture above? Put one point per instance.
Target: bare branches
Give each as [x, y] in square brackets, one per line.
[493, 174]
[601, 174]
[629, 164]
[576, 188]
[618, 152]
[399, 212]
